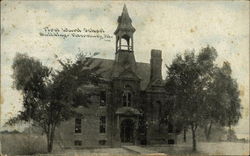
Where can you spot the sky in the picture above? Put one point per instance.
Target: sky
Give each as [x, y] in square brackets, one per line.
[170, 26]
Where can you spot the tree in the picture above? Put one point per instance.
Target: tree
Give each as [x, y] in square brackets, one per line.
[222, 101]
[206, 59]
[231, 136]
[200, 97]
[51, 96]
[183, 79]
[233, 106]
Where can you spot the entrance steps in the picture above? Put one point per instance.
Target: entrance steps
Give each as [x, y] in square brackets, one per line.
[142, 151]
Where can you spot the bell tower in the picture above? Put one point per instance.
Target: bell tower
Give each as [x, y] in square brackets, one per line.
[124, 33]
[124, 54]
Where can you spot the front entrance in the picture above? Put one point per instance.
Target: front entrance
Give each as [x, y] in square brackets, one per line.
[127, 131]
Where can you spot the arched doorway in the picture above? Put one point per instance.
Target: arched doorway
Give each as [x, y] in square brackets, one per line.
[127, 131]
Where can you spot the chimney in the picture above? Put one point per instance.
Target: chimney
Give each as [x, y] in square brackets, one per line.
[155, 63]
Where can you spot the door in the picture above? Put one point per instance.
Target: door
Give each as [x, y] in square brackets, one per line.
[127, 131]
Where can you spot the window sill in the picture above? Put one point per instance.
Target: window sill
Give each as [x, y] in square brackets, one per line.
[102, 106]
[102, 133]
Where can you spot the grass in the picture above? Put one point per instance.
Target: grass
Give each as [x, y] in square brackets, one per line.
[204, 148]
[23, 144]
[174, 149]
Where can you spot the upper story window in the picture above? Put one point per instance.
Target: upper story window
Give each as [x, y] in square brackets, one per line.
[127, 98]
[102, 124]
[103, 98]
[170, 128]
[157, 111]
[78, 125]
[159, 105]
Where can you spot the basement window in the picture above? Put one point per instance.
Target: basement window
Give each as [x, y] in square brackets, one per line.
[102, 142]
[78, 143]
[171, 141]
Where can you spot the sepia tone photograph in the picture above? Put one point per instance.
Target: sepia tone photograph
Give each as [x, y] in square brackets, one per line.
[120, 78]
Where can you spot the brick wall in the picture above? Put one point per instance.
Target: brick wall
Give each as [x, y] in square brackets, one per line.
[90, 132]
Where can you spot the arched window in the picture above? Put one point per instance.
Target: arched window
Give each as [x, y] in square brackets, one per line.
[124, 99]
[124, 44]
[127, 96]
[129, 99]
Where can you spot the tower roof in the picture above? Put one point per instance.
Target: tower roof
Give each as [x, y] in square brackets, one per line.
[124, 22]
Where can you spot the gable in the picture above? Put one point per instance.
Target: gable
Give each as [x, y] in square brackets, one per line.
[128, 73]
[106, 67]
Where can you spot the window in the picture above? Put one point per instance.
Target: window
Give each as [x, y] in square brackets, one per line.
[124, 99]
[170, 128]
[158, 110]
[127, 98]
[102, 142]
[78, 143]
[78, 125]
[103, 124]
[103, 98]
[171, 141]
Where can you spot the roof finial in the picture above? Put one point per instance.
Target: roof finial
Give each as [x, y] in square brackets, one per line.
[124, 9]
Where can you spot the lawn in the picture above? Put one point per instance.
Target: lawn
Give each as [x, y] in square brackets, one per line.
[24, 144]
[13, 144]
[215, 148]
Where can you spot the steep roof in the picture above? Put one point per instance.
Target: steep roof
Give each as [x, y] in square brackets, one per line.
[124, 21]
[106, 65]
